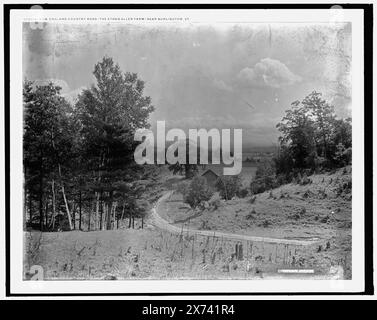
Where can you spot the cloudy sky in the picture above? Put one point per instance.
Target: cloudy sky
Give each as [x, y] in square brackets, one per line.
[204, 76]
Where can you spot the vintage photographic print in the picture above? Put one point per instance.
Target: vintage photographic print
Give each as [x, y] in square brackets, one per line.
[177, 145]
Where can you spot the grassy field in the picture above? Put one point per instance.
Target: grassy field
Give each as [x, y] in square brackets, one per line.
[152, 254]
[320, 210]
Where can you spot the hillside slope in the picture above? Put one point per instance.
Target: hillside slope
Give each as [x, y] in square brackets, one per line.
[318, 210]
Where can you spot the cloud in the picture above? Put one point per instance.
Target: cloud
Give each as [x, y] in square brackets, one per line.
[37, 43]
[220, 84]
[206, 82]
[268, 72]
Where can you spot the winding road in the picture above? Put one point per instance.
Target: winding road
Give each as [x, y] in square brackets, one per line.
[161, 223]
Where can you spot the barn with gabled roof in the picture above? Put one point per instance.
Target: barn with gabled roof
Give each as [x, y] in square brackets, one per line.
[212, 174]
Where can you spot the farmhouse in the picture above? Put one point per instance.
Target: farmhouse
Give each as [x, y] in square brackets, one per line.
[212, 174]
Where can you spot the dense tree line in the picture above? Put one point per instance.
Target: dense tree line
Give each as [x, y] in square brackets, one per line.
[78, 159]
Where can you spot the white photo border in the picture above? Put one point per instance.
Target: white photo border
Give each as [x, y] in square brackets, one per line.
[148, 287]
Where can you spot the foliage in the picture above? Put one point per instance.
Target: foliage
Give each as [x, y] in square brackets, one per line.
[312, 137]
[215, 201]
[228, 186]
[243, 192]
[189, 170]
[49, 135]
[83, 154]
[264, 178]
[197, 192]
[183, 186]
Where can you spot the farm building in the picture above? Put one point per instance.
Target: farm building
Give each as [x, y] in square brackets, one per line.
[212, 174]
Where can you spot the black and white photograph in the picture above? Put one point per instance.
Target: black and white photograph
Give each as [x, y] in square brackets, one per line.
[158, 148]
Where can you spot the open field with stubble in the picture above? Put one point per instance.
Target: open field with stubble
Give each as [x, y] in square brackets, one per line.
[153, 254]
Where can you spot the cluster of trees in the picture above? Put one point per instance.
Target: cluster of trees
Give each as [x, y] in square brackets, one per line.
[78, 159]
[312, 137]
[197, 193]
[229, 187]
[265, 178]
[187, 169]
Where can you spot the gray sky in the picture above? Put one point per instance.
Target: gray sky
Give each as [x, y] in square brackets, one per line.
[204, 76]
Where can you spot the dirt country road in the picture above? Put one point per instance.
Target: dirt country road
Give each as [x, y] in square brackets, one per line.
[161, 223]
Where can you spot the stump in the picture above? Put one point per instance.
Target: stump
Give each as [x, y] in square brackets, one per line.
[239, 251]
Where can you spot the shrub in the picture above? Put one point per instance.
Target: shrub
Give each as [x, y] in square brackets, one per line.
[307, 194]
[265, 179]
[257, 186]
[183, 187]
[343, 155]
[215, 201]
[283, 195]
[295, 216]
[251, 214]
[298, 214]
[265, 224]
[205, 226]
[305, 180]
[228, 186]
[252, 199]
[284, 178]
[344, 187]
[197, 192]
[243, 193]
[322, 194]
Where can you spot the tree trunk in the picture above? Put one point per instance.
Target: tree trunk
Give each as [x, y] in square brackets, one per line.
[108, 216]
[101, 212]
[53, 204]
[65, 199]
[41, 196]
[123, 211]
[30, 207]
[97, 209]
[109, 211]
[46, 214]
[80, 210]
[74, 215]
[90, 215]
[62, 185]
[104, 216]
[25, 206]
[114, 214]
